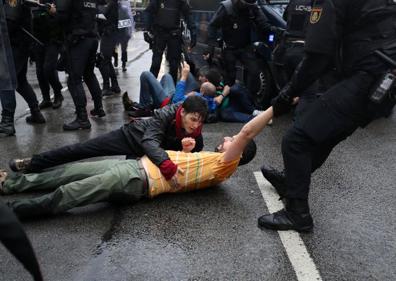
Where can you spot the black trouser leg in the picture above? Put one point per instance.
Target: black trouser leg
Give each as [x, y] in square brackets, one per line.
[124, 50]
[8, 103]
[174, 55]
[81, 59]
[107, 45]
[24, 88]
[158, 50]
[40, 72]
[252, 66]
[230, 67]
[50, 72]
[113, 143]
[296, 150]
[90, 77]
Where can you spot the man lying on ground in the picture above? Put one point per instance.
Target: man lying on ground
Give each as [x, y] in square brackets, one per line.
[149, 137]
[126, 181]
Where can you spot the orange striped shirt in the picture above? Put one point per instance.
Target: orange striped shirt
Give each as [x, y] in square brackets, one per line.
[201, 170]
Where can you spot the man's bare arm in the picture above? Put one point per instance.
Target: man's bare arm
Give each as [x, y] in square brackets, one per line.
[247, 133]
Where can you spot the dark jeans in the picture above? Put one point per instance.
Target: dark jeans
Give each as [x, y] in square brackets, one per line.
[46, 61]
[8, 103]
[81, 58]
[113, 143]
[319, 127]
[240, 106]
[21, 56]
[124, 48]
[172, 41]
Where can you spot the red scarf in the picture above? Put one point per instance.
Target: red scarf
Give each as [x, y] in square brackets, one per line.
[180, 132]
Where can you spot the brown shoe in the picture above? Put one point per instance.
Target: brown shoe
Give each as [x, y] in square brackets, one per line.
[19, 165]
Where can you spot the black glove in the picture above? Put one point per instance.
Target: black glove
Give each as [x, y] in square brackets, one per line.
[278, 32]
[282, 103]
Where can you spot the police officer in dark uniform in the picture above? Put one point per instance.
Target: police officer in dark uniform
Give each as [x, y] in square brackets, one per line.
[354, 31]
[163, 22]
[238, 19]
[49, 32]
[18, 18]
[109, 38]
[78, 18]
[290, 50]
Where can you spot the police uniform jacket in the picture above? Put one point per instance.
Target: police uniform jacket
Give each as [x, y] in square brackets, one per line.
[237, 27]
[166, 14]
[346, 31]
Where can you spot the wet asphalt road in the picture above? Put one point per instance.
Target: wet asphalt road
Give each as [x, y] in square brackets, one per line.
[213, 234]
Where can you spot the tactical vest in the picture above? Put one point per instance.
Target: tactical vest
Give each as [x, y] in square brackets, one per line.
[237, 27]
[298, 13]
[374, 28]
[168, 14]
[83, 17]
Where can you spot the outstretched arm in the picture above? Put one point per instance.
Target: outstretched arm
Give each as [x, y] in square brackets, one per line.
[247, 133]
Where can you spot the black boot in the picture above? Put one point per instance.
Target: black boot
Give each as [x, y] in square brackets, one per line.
[35, 117]
[7, 126]
[295, 216]
[276, 178]
[124, 67]
[106, 92]
[45, 103]
[98, 112]
[115, 88]
[57, 101]
[81, 121]
[98, 108]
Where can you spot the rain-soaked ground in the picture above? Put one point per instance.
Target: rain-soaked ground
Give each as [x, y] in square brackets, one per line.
[213, 234]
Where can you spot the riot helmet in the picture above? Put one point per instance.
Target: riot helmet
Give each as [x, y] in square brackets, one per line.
[245, 4]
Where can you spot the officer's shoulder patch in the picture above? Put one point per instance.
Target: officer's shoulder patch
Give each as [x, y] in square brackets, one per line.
[316, 13]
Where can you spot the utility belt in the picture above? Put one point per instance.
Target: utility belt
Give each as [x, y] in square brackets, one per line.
[294, 42]
[74, 39]
[162, 31]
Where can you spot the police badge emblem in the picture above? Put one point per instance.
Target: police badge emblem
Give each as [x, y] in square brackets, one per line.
[235, 26]
[316, 13]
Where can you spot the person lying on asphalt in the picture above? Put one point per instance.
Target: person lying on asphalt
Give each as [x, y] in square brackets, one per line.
[125, 181]
[150, 137]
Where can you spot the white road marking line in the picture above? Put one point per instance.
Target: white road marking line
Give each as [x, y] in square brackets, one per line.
[299, 257]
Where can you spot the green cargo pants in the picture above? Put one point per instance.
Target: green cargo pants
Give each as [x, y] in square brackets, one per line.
[78, 184]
